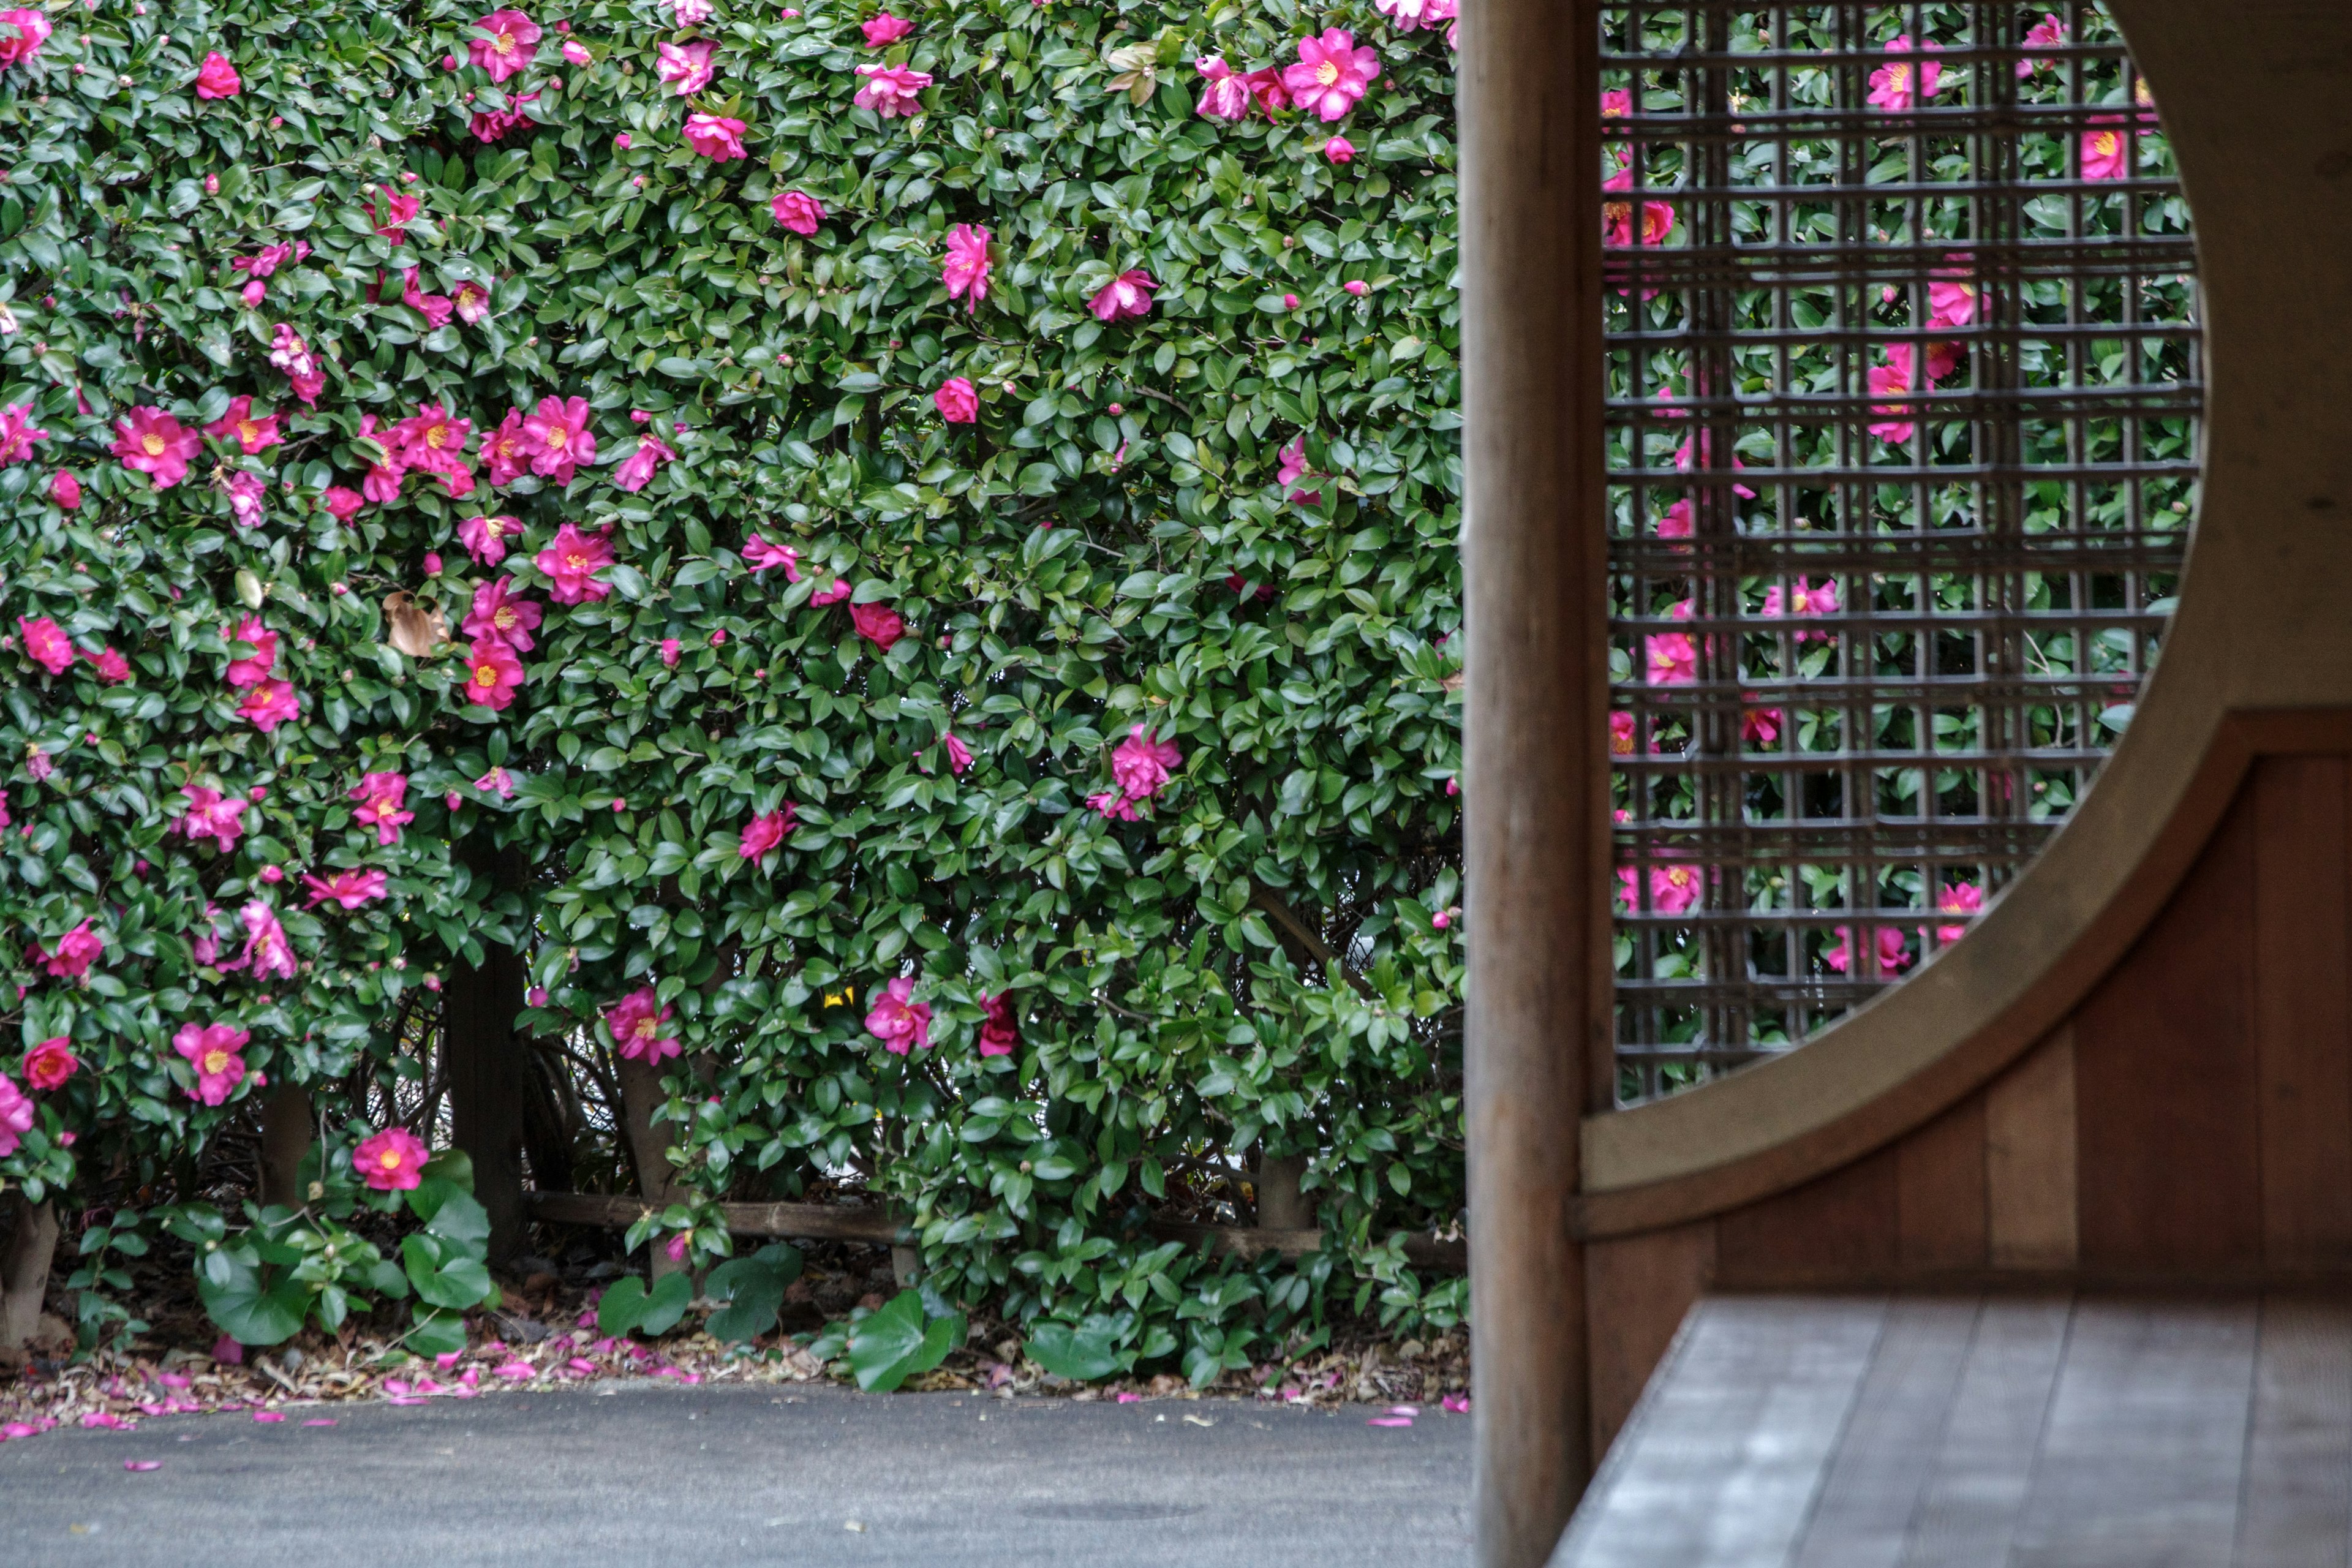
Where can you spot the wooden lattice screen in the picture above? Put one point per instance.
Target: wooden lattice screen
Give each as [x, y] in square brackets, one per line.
[1903, 399]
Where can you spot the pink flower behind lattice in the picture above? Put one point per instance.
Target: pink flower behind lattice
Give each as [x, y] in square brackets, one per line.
[883, 29]
[213, 1050]
[557, 440]
[637, 469]
[269, 704]
[766, 831]
[16, 433]
[212, 815]
[1672, 658]
[1331, 75]
[2106, 150]
[50, 1064]
[998, 1033]
[496, 614]
[492, 674]
[22, 33]
[382, 797]
[1124, 298]
[46, 643]
[1675, 888]
[1620, 733]
[485, 538]
[2048, 33]
[639, 1024]
[898, 1020]
[349, 889]
[16, 1110]
[1893, 958]
[150, 442]
[715, 136]
[796, 210]
[216, 77]
[1904, 84]
[1141, 763]
[759, 554]
[267, 952]
[956, 400]
[1963, 898]
[255, 668]
[572, 563]
[1223, 95]
[877, 623]
[685, 67]
[393, 1161]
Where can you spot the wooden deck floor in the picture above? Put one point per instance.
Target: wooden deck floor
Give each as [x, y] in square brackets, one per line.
[1992, 1432]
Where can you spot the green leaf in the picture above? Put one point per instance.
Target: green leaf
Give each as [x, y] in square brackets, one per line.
[622, 1308]
[893, 1342]
[666, 1304]
[254, 1305]
[1081, 1355]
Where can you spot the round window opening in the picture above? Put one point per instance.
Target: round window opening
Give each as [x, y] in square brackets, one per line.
[1903, 451]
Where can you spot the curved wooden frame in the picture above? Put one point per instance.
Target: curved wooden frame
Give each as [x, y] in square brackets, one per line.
[2264, 630]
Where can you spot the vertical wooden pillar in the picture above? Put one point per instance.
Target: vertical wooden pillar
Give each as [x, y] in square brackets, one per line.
[1534, 761]
[488, 1072]
[288, 1122]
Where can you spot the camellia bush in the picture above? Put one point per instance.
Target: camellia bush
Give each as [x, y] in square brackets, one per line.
[929, 540]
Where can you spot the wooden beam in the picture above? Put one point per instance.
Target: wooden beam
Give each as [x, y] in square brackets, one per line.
[1534, 761]
[869, 1223]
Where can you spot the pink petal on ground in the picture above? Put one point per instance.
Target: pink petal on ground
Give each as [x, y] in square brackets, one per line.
[581, 1365]
[518, 1369]
[228, 1351]
[1390, 1421]
[396, 1386]
[1129, 1398]
[272, 1416]
[150, 1407]
[108, 1419]
[143, 1464]
[321, 1421]
[404, 1399]
[171, 1380]
[448, 1359]
[1458, 1404]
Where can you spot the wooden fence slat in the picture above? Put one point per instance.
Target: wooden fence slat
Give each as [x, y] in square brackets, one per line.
[2303, 1007]
[2031, 1208]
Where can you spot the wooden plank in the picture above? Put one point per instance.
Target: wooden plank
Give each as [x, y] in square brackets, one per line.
[1724, 1457]
[2298, 1496]
[1886, 1458]
[1841, 1226]
[1638, 1289]
[2030, 1202]
[1984, 1471]
[1939, 1186]
[2303, 1007]
[2167, 1079]
[2144, 1458]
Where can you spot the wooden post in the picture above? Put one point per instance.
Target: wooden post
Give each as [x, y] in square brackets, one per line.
[641, 1095]
[1534, 761]
[29, 1240]
[288, 1122]
[489, 1071]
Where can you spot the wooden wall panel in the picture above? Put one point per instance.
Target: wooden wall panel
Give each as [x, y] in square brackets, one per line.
[2167, 1096]
[1637, 1290]
[1845, 1224]
[2302, 1008]
[1940, 1192]
[2030, 1163]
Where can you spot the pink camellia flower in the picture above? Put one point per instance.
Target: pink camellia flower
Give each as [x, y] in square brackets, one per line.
[884, 30]
[270, 704]
[509, 41]
[399, 208]
[49, 1065]
[2048, 33]
[65, 490]
[572, 564]
[638, 1022]
[898, 1020]
[1892, 957]
[216, 77]
[350, 889]
[1620, 733]
[212, 1050]
[1114, 806]
[108, 666]
[382, 797]
[759, 554]
[253, 433]
[1126, 296]
[877, 623]
[40, 765]
[1952, 304]
[46, 645]
[1331, 74]
[956, 400]
[1140, 764]
[1293, 467]
[497, 782]
[1964, 898]
[485, 538]
[1895, 378]
[16, 433]
[636, 470]
[492, 673]
[765, 831]
[77, 951]
[556, 439]
[685, 67]
[670, 649]
[1675, 888]
[472, 301]
[1223, 95]
[715, 136]
[966, 270]
[1357, 287]
[998, 1034]
[575, 52]
[1899, 84]
[436, 309]
[1673, 658]
[688, 13]
[1340, 150]
[507, 450]
[1804, 598]
[958, 755]
[498, 615]
[22, 33]
[796, 210]
[1760, 726]
[150, 442]
[247, 498]
[1265, 88]
[391, 1161]
[2106, 150]
[1618, 218]
[16, 1109]
[254, 669]
[267, 953]
[212, 815]
[1411, 14]
[289, 354]
[832, 593]
[891, 90]
[341, 502]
